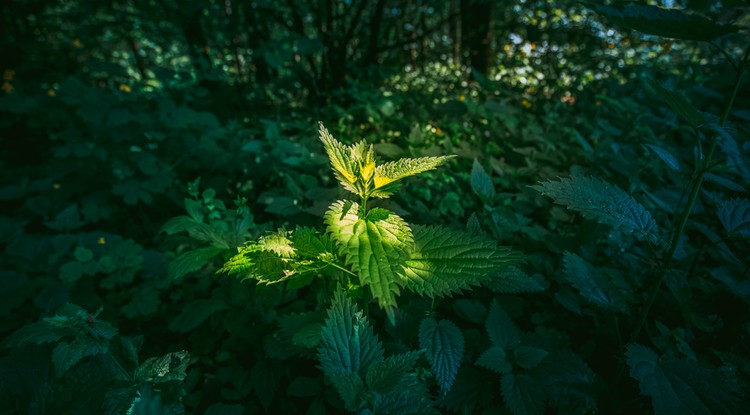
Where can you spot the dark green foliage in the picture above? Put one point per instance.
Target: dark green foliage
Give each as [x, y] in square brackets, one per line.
[604, 202]
[663, 22]
[163, 164]
[678, 386]
[443, 343]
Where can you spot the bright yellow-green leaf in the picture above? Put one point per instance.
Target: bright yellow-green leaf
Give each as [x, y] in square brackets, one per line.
[375, 245]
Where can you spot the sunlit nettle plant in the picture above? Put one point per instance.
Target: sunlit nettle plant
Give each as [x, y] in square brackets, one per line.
[373, 247]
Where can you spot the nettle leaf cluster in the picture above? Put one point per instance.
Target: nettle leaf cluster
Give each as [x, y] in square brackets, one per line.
[374, 247]
[372, 253]
[92, 366]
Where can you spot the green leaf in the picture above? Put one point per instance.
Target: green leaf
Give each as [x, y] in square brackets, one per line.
[195, 313]
[411, 397]
[503, 333]
[494, 359]
[513, 281]
[179, 224]
[445, 261]
[523, 396]
[347, 341]
[481, 182]
[665, 156]
[604, 202]
[192, 261]
[350, 387]
[71, 272]
[444, 347]
[170, 367]
[37, 333]
[194, 208]
[529, 357]
[734, 214]
[679, 104]
[82, 254]
[343, 161]
[680, 386]
[592, 285]
[383, 377]
[386, 175]
[282, 256]
[66, 355]
[376, 246]
[669, 23]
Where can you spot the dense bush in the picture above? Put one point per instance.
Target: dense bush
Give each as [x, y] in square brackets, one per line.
[182, 235]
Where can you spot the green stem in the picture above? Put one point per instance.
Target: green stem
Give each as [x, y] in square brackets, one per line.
[697, 182]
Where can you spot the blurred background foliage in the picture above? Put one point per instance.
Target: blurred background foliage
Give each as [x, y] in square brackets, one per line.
[114, 111]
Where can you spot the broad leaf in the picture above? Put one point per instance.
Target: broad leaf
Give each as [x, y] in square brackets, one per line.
[604, 202]
[347, 342]
[386, 175]
[376, 246]
[444, 347]
[665, 156]
[503, 333]
[523, 395]
[65, 355]
[663, 22]
[282, 256]
[445, 261]
[681, 386]
[192, 261]
[350, 387]
[383, 377]
[170, 367]
[495, 359]
[341, 160]
[529, 357]
[592, 285]
[513, 281]
[679, 104]
[195, 313]
[481, 182]
[735, 215]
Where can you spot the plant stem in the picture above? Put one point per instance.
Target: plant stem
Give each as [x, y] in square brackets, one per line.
[697, 182]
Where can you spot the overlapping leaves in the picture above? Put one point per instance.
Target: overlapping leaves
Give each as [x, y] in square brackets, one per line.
[356, 170]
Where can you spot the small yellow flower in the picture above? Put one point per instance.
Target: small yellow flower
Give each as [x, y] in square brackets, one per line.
[598, 104]
[101, 240]
[526, 103]
[51, 92]
[8, 74]
[77, 43]
[7, 87]
[438, 131]
[125, 88]
[462, 98]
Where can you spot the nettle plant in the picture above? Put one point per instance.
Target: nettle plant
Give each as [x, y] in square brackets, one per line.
[370, 254]
[695, 269]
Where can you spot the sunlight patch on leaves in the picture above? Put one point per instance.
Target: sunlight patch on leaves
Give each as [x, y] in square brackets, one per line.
[387, 174]
[445, 261]
[375, 245]
[282, 256]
